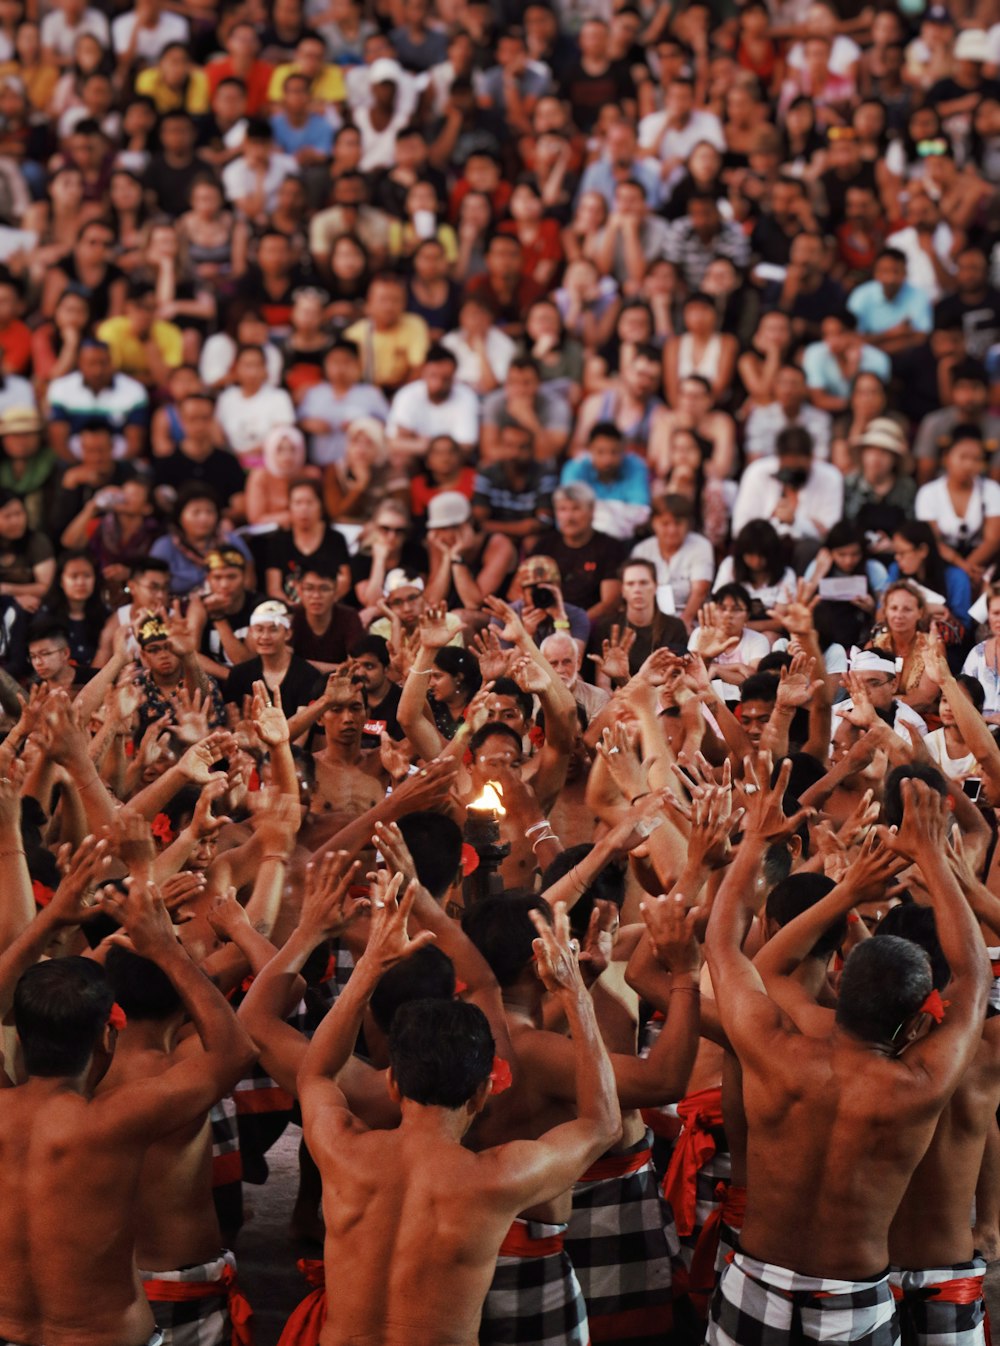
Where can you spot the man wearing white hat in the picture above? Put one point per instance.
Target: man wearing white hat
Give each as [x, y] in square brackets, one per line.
[879, 676]
[275, 664]
[403, 602]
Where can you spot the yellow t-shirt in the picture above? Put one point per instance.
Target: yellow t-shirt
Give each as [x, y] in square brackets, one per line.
[195, 99]
[127, 353]
[387, 358]
[327, 87]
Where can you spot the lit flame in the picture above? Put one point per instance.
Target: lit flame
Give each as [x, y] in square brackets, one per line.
[490, 799]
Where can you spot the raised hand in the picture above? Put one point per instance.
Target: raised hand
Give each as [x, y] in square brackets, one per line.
[180, 632]
[196, 764]
[396, 758]
[513, 630]
[624, 768]
[267, 715]
[86, 868]
[494, 660]
[191, 714]
[435, 633]
[528, 675]
[428, 787]
[796, 685]
[131, 839]
[203, 825]
[613, 658]
[145, 917]
[869, 873]
[765, 816]
[388, 941]
[710, 639]
[925, 824]
[671, 928]
[389, 840]
[599, 941]
[797, 616]
[276, 819]
[67, 741]
[179, 890]
[935, 659]
[226, 917]
[861, 712]
[328, 906]
[10, 795]
[556, 953]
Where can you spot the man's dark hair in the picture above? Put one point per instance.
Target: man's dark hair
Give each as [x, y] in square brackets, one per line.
[760, 687]
[492, 729]
[428, 974]
[440, 1051]
[892, 802]
[508, 687]
[259, 128]
[969, 371]
[894, 253]
[917, 924]
[605, 430]
[439, 354]
[435, 842]
[973, 689]
[794, 439]
[606, 886]
[735, 593]
[502, 931]
[797, 894]
[143, 990]
[377, 646]
[44, 628]
[150, 565]
[882, 986]
[60, 1011]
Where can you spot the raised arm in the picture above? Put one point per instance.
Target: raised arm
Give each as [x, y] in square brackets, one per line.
[943, 1055]
[532, 1171]
[412, 709]
[159, 1104]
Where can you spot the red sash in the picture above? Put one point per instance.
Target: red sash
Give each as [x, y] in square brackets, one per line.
[702, 1276]
[695, 1146]
[616, 1166]
[181, 1292]
[963, 1290]
[305, 1322]
[519, 1243]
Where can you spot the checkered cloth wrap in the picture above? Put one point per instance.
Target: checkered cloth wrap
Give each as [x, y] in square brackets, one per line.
[994, 995]
[199, 1306]
[621, 1239]
[760, 1304]
[535, 1298]
[227, 1166]
[943, 1306]
[157, 1339]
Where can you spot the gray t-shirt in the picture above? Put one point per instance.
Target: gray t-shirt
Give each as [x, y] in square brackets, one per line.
[321, 403]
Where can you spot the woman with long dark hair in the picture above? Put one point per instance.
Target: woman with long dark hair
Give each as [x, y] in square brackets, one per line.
[918, 560]
[74, 600]
[757, 563]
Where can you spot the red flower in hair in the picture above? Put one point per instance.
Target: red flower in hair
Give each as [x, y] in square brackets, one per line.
[253, 781]
[536, 736]
[500, 1076]
[117, 1019]
[934, 1006]
[470, 859]
[41, 892]
[162, 830]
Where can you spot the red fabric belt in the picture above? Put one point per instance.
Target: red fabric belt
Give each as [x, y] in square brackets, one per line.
[964, 1290]
[662, 1124]
[616, 1166]
[519, 1243]
[695, 1146]
[183, 1292]
[226, 1168]
[306, 1321]
[730, 1211]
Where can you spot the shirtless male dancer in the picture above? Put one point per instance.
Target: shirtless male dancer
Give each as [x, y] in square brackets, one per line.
[413, 1220]
[70, 1162]
[837, 1125]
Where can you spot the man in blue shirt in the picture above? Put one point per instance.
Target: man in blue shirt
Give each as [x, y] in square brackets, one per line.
[306, 136]
[893, 314]
[619, 479]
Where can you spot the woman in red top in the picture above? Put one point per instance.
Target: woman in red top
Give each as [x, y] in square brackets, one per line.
[540, 238]
[444, 469]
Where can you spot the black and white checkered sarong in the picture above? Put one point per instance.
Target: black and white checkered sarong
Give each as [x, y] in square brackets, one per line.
[196, 1321]
[535, 1300]
[621, 1240]
[940, 1306]
[760, 1304]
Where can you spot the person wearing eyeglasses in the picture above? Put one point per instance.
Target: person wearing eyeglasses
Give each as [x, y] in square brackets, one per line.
[50, 657]
[384, 545]
[963, 505]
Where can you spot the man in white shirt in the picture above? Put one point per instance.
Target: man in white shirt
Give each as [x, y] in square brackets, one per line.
[65, 23]
[435, 404]
[926, 242]
[802, 498]
[251, 182]
[791, 406]
[142, 33]
[672, 134]
[250, 409]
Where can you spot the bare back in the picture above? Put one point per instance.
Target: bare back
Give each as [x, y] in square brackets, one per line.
[433, 1216]
[176, 1223]
[932, 1226]
[67, 1190]
[833, 1139]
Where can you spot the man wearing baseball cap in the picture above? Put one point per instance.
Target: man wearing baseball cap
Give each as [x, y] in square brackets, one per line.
[466, 564]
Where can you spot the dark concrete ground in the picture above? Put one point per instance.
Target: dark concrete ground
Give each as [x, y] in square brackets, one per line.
[267, 1255]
